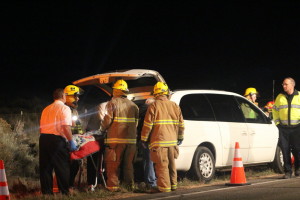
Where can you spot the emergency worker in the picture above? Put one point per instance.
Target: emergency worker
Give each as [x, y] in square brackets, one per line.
[72, 97]
[251, 95]
[55, 144]
[286, 115]
[268, 109]
[163, 129]
[148, 167]
[93, 162]
[120, 122]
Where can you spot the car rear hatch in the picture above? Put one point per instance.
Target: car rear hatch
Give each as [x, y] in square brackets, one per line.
[140, 82]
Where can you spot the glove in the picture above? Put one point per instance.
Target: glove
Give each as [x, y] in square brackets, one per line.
[73, 145]
[179, 141]
[144, 144]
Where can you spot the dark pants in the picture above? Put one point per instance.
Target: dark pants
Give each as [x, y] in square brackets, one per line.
[289, 140]
[54, 155]
[93, 168]
[75, 165]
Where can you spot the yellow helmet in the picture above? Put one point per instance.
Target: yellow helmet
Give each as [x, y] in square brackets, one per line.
[250, 91]
[73, 90]
[161, 88]
[121, 85]
[72, 93]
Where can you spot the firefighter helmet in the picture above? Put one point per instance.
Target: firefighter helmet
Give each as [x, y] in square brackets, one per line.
[269, 106]
[250, 91]
[160, 88]
[121, 85]
[73, 90]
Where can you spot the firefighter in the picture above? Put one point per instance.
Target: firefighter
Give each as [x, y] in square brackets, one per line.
[72, 97]
[120, 122]
[163, 130]
[268, 109]
[251, 94]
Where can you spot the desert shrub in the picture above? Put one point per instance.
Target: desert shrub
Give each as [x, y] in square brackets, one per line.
[18, 151]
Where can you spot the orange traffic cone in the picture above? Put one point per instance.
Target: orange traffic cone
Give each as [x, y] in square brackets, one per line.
[55, 187]
[238, 177]
[4, 192]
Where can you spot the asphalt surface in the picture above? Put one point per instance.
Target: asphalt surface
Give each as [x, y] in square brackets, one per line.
[271, 188]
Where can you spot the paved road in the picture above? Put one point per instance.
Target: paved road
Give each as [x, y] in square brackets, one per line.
[272, 188]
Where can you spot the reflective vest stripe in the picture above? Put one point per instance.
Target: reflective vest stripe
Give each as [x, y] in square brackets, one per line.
[124, 119]
[120, 141]
[293, 122]
[163, 143]
[167, 121]
[163, 122]
[163, 189]
[286, 106]
[148, 124]
[144, 138]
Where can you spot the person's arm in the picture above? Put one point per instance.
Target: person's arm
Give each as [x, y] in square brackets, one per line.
[275, 111]
[67, 132]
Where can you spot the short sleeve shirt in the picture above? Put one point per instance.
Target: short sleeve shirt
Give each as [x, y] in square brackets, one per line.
[54, 117]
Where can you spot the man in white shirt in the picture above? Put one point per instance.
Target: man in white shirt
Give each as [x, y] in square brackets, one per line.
[55, 144]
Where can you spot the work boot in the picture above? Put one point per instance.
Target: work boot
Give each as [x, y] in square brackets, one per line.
[297, 172]
[287, 175]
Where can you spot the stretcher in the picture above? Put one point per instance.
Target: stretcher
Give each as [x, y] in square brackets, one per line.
[87, 145]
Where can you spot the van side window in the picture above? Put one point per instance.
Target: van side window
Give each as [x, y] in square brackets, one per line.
[225, 108]
[251, 112]
[196, 107]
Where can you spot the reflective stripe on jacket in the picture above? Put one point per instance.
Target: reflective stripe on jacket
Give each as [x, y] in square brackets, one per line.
[121, 121]
[287, 112]
[76, 127]
[163, 123]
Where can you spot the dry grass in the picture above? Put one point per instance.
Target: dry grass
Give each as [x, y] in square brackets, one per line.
[19, 150]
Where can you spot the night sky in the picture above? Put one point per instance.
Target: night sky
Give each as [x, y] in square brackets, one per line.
[226, 45]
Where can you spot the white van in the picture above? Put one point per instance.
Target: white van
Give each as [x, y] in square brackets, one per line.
[214, 122]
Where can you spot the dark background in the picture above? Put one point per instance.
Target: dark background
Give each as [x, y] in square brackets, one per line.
[226, 45]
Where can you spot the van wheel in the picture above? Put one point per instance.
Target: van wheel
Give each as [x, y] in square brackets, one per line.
[203, 166]
[277, 164]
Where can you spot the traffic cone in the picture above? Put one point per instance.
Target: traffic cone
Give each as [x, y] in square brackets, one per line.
[238, 177]
[55, 186]
[4, 192]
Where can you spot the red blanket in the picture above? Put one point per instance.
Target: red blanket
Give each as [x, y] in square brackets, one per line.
[86, 145]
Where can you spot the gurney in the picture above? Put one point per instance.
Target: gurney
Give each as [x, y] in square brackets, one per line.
[87, 145]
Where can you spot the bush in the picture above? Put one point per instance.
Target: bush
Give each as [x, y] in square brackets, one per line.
[19, 153]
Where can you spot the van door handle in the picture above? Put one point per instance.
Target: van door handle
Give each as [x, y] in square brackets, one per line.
[252, 133]
[244, 132]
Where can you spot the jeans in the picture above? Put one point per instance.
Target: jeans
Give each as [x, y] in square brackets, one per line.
[149, 173]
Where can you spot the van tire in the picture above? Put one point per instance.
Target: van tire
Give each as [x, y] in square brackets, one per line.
[203, 166]
[277, 164]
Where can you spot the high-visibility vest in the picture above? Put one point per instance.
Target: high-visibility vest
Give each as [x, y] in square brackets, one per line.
[287, 112]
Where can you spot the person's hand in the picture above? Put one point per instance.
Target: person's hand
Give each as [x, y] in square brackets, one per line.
[144, 144]
[179, 141]
[73, 145]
